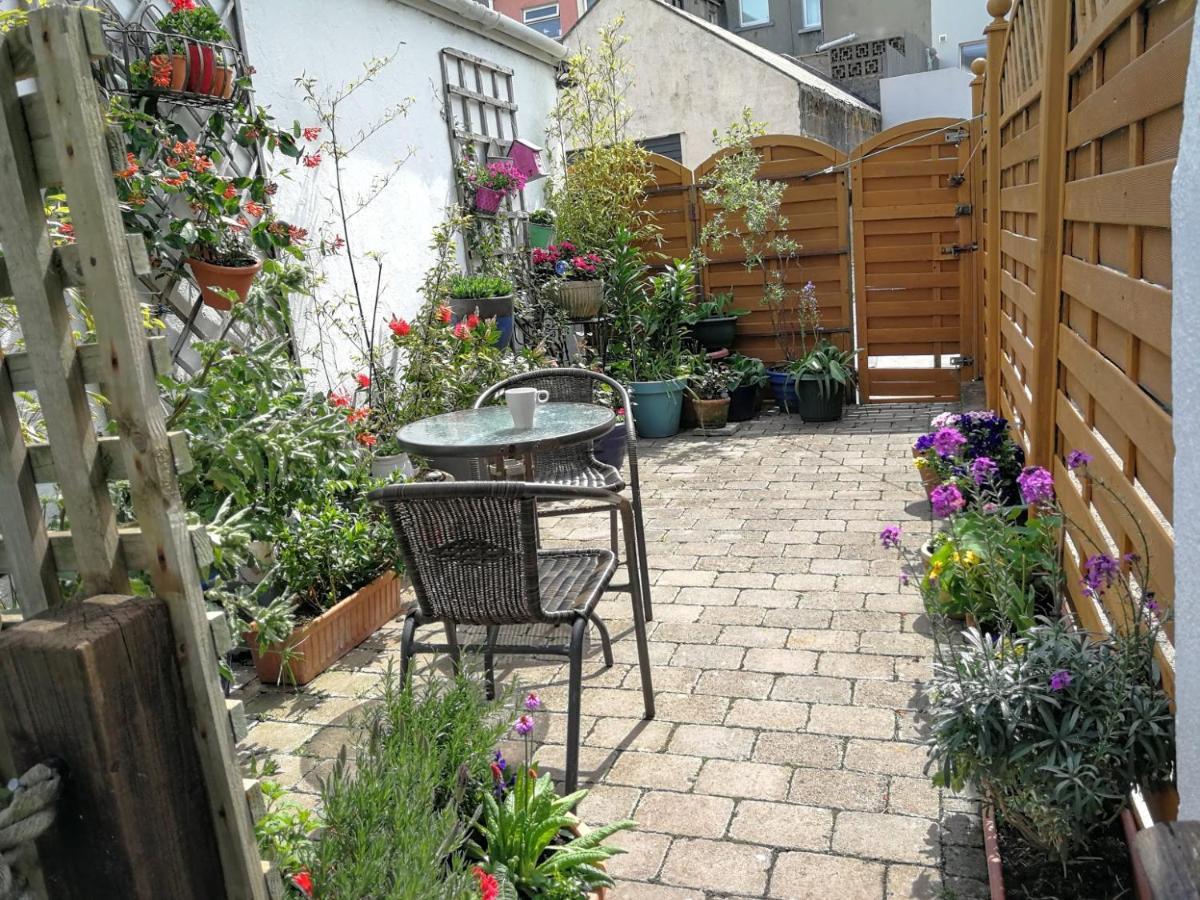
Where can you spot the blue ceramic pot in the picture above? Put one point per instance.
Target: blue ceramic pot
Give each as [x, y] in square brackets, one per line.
[498, 308]
[657, 406]
[783, 387]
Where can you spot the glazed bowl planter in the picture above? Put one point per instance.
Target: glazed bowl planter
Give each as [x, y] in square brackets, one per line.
[744, 403]
[540, 236]
[815, 404]
[580, 299]
[610, 449]
[783, 388]
[716, 333]
[712, 413]
[228, 278]
[487, 200]
[320, 642]
[384, 466]
[498, 308]
[657, 406]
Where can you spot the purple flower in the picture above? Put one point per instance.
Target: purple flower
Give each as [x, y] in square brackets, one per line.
[947, 499]
[983, 470]
[1099, 573]
[533, 701]
[1150, 603]
[903, 579]
[1130, 559]
[890, 536]
[946, 441]
[1077, 459]
[499, 760]
[944, 420]
[1037, 485]
[1060, 680]
[524, 724]
[923, 443]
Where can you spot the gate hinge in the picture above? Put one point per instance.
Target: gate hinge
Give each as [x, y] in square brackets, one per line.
[963, 209]
[956, 135]
[955, 180]
[959, 362]
[955, 249]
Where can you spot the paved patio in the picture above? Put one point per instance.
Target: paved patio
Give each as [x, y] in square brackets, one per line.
[785, 759]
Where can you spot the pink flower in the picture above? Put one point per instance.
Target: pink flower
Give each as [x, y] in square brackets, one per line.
[312, 160]
[364, 380]
[533, 702]
[472, 321]
[339, 398]
[302, 879]
[444, 315]
[461, 331]
[524, 724]
[399, 327]
[489, 887]
[312, 133]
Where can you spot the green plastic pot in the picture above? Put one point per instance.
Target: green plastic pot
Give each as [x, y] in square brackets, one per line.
[716, 333]
[657, 406]
[817, 406]
[540, 235]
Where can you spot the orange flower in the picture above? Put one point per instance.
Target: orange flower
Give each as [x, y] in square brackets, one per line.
[131, 167]
[366, 439]
[339, 398]
[359, 414]
[230, 192]
[253, 208]
[444, 314]
[160, 70]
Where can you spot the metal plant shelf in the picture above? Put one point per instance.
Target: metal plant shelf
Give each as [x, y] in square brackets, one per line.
[202, 61]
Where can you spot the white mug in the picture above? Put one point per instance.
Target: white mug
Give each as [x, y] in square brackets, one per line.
[522, 404]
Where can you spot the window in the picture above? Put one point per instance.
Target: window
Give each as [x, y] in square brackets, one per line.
[754, 12]
[811, 11]
[971, 51]
[544, 19]
[678, 4]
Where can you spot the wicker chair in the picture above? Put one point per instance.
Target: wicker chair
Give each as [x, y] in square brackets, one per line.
[471, 551]
[575, 466]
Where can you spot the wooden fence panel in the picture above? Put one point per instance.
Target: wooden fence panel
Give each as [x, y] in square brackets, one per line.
[671, 206]
[816, 204]
[912, 233]
[1126, 71]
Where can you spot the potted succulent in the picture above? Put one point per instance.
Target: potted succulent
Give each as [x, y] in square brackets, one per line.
[474, 298]
[202, 30]
[824, 377]
[712, 323]
[541, 228]
[332, 585]
[645, 348]
[749, 378]
[493, 182]
[709, 393]
[573, 276]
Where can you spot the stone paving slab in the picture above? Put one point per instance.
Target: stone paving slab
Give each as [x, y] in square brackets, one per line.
[785, 760]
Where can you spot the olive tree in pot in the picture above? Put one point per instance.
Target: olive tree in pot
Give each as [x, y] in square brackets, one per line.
[645, 348]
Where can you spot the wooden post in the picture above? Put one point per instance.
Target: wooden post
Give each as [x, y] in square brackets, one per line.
[77, 135]
[996, 33]
[973, 321]
[1052, 173]
[96, 685]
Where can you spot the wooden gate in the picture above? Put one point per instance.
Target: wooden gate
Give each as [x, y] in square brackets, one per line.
[912, 272]
[815, 203]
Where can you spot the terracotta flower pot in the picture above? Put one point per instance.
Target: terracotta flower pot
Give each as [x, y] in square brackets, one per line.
[230, 278]
[220, 74]
[322, 641]
[179, 71]
[712, 413]
[230, 82]
[929, 478]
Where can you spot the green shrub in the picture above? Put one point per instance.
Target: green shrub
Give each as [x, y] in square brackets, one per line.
[477, 287]
[394, 820]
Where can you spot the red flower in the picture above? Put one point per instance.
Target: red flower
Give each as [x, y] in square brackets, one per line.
[160, 70]
[366, 439]
[400, 328]
[230, 192]
[357, 415]
[497, 773]
[364, 381]
[254, 209]
[339, 398]
[472, 321]
[302, 880]
[311, 134]
[461, 331]
[489, 888]
[566, 247]
[177, 180]
[183, 5]
[67, 230]
[271, 188]
[312, 160]
[131, 167]
[444, 314]
[297, 234]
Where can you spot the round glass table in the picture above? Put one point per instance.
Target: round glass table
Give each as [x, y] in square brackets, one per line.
[489, 431]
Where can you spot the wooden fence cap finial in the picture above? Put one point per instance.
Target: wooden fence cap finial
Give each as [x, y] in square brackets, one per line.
[998, 9]
[978, 66]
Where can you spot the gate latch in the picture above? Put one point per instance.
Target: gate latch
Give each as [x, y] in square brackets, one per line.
[956, 135]
[955, 249]
[955, 180]
[959, 362]
[963, 209]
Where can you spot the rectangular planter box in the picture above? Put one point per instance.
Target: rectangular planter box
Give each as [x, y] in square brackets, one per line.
[320, 642]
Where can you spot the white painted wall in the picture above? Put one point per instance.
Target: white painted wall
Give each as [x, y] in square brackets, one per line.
[939, 92]
[1185, 379]
[959, 21]
[287, 38]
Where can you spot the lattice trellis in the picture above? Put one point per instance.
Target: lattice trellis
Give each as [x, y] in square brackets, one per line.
[480, 110]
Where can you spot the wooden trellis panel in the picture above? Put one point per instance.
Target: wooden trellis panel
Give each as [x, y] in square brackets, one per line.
[816, 204]
[1125, 70]
[68, 150]
[912, 238]
[671, 207]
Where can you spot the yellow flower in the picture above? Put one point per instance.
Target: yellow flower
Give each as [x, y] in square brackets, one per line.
[970, 557]
[935, 569]
[920, 462]
[957, 557]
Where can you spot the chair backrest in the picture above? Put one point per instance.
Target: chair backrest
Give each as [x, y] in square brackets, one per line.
[470, 549]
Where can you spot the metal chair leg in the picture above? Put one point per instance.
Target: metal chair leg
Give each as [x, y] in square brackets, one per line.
[639, 525]
[489, 662]
[639, 620]
[605, 643]
[574, 696]
[452, 639]
[613, 537]
[406, 643]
